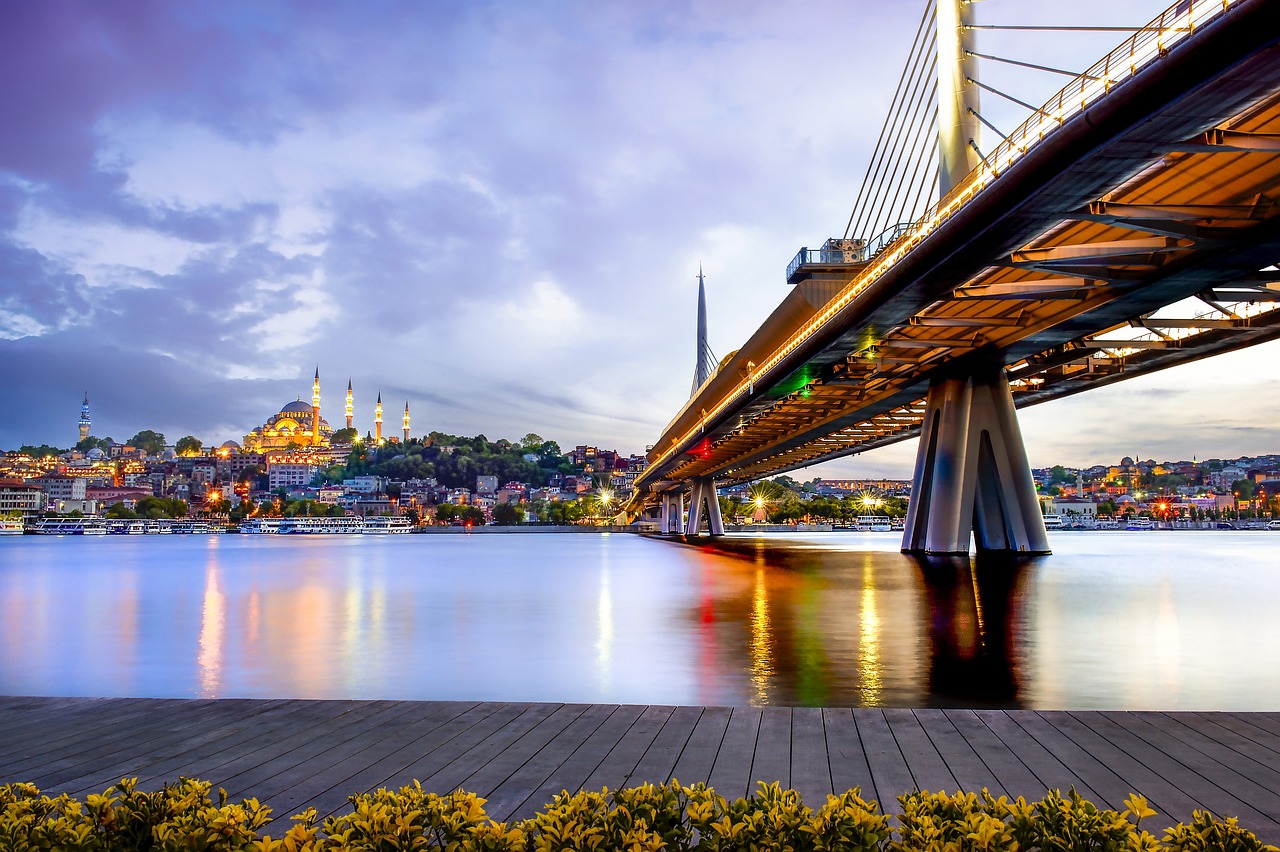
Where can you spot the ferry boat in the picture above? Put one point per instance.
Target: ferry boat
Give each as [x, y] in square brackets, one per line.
[11, 526]
[261, 526]
[873, 523]
[1136, 523]
[70, 526]
[386, 525]
[195, 528]
[310, 525]
[126, 527]
[164, 527]
[1053, 522]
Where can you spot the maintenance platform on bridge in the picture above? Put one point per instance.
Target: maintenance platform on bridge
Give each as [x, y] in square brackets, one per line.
[298, 754]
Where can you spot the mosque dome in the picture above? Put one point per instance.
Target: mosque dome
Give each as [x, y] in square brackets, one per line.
[230, 445]
[96, 453]
[296, 407]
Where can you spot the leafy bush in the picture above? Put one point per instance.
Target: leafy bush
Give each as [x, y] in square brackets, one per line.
[646, 818]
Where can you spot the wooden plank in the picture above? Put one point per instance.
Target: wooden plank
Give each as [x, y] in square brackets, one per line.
[528, 778]
[451, 775]
[137, 756]
[1119, 729]
[516, 761]
[65, 732]
[847, 761]
[203, 755]
[659, 759]
[574, 770]
[463, 735]
[1012, 774]
[968, 770]
[617, 767]
[731, 773]
[109, 749]
[1049, 771]
[1223, 766]
[292, 756]
[890, 775]
[1108, 788]
[1134, 775]
[1252, 742]
[810, 765]
[393, 770]
[928, 770]
[700, 752]
[772, 761]
[333, 769]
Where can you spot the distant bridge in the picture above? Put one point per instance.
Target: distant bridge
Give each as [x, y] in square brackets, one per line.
[1129, 225]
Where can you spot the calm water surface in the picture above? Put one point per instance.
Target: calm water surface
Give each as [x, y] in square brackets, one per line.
[1173, 620]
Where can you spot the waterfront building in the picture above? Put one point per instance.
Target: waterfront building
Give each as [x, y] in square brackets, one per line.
[365, 484]
[487, 485]
[21, 498]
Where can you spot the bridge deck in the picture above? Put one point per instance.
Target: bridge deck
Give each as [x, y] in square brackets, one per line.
[298, 754]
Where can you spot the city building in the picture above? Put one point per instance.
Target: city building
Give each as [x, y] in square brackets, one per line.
[57, 486]
[20, 498]
[290, 474]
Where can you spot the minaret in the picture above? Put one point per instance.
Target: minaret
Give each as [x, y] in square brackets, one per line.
[705, 360]
[85, 422]
[350, 405]
[406, 421]
[315, 410]
[377, 420]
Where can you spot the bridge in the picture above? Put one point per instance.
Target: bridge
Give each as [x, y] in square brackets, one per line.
[1131, 224]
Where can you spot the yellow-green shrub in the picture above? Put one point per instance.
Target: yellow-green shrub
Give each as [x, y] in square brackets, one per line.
[645, 818]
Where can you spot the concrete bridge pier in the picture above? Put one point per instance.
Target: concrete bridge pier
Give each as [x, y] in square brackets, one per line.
[672, 512]
[972, 477]
[704, 492]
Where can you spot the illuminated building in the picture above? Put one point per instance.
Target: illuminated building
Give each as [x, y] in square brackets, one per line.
[297, 424]
[377, 420]
[85, 422]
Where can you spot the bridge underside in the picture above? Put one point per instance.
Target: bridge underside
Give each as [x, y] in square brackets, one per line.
[1139, 234]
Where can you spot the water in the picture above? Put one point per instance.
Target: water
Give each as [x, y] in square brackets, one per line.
[1168, 620]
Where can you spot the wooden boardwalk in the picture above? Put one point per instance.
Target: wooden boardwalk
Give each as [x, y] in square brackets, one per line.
[299, 754]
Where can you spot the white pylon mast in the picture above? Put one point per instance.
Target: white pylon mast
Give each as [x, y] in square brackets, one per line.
[958, 125]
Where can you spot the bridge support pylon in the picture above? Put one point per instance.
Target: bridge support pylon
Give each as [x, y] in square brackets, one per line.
[704, 492]
[972, 475]
[672, 512]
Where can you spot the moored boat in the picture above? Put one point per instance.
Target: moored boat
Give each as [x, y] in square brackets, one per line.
[261, 526]
[386, 525]
[70, 526]
[312, 525]
[12, 526]
[1053, 522]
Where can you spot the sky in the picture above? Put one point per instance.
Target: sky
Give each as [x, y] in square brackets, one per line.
[494, 211]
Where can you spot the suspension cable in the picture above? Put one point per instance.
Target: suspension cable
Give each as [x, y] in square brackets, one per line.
[1031, 65]
[926, 19]
[988, 124]
[901, 146]
[921, 118]
[1006, 97]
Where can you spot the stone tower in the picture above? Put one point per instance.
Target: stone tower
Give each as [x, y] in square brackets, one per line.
[85, 422]
[377, 420]
[351, 410]
[406, 421]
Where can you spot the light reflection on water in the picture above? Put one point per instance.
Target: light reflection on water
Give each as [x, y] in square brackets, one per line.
[1111, 620]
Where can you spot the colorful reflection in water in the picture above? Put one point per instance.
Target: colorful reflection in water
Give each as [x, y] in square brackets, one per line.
[1111, 620]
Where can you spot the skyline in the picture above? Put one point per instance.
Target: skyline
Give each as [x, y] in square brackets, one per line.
[496, 213]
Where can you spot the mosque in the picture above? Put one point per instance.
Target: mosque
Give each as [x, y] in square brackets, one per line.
[298, 424]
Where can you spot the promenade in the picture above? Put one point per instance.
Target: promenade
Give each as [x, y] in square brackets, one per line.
[298, 754]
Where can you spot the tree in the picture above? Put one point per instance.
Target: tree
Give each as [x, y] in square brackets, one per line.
[119, 511]
[446, 513]
[189, 445]
[150, 442]
[84, 445]
[508, 515]
[531, 443]
[345, 436]
[160, 507]
[40, 451]
[471, 515]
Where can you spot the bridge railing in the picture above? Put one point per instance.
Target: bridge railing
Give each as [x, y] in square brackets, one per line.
[836, 252]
